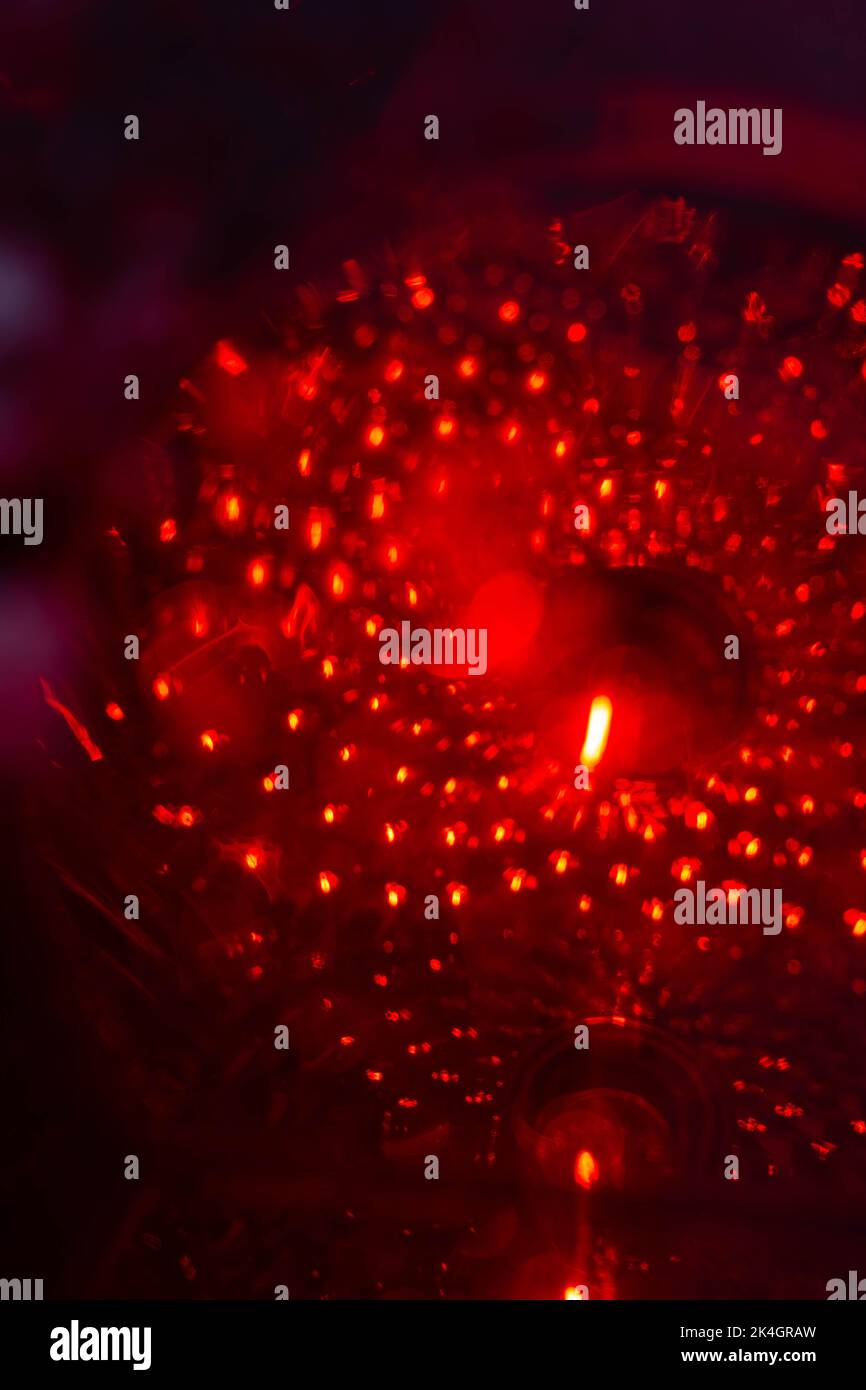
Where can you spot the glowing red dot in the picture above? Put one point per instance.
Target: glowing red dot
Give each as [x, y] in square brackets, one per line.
[509, 312]
[394, 370]
[467, 366]
[375, 436]
[162, 687]
[791, 368]
[445, 426]
[576, 332]
[423, 297]
[536, 381]
[168, 529]
[114, 711]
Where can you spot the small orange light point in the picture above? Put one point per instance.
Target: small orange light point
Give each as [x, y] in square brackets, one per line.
[585, 1169]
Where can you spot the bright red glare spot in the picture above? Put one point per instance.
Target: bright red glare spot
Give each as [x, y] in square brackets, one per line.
[208, 740]
[162, 687]
[231, 507]
[114, 711]
[445, 426]
[576, 332]
[509, 312]
[229, 358]
[536, 381]
[467, 366]
[394, 370]
[257, 573]
[597, 731]
[251, 859]
[375, 436]
[585, 1169]
[168, 529]
[423, 297]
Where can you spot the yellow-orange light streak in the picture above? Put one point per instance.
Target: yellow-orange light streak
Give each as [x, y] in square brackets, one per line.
[597, 731]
